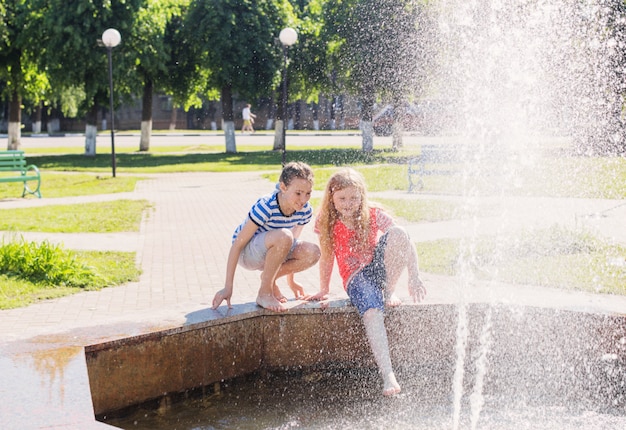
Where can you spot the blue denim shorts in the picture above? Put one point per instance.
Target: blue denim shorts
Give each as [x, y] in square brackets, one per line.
[366, 289]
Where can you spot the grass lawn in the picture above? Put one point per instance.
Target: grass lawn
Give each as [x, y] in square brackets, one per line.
[98, 217]
[57, 184]
[552, 257]
[108, 269]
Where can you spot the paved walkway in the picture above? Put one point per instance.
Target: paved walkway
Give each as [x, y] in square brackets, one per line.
[182, 249]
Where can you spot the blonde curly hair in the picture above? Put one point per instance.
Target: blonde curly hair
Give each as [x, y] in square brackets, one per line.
[329, 215]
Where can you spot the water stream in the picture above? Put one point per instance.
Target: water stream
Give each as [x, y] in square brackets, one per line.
[520, 72]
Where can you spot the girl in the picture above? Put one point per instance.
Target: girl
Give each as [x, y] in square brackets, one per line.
[369, 264]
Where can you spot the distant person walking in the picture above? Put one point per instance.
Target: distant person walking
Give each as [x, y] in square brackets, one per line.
[248, 119]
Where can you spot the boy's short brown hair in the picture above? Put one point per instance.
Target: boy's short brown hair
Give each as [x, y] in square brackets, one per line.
[296, 169]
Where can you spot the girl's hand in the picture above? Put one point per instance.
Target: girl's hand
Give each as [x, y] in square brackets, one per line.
[317, 297]
[417, 291]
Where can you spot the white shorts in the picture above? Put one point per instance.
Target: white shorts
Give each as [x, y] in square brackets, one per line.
[253, 255]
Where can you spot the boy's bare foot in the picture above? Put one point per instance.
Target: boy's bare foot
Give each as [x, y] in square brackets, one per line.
[270, 302]
[391, 386]
[278, 295]
[392, 300]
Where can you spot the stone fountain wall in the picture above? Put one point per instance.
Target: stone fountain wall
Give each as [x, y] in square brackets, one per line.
[531, 352]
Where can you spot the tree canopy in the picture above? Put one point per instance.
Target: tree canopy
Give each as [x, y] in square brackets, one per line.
[379, 51]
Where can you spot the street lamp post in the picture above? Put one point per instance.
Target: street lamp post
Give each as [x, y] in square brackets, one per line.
[288, 37]
[111, 38]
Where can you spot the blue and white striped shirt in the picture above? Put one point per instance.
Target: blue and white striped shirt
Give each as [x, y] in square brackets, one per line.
[266, 214]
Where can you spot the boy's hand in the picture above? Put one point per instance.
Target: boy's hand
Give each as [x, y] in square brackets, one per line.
[220, 296]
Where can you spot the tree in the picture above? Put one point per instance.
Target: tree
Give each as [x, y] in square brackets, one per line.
[184, 79]
[375, 51]
[599, 84]
[17, 65]
[307, 68]
[69, 51]
[236, 41]
[153, 50]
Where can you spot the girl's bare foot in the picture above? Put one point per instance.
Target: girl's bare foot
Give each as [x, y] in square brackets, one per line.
[391, 386]
[270, 302]
[392, 300]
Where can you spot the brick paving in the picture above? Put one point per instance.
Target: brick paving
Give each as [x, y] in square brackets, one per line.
[182, 249]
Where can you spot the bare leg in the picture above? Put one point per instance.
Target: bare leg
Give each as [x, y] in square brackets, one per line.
[399, 254]
[276, 291]
[304, 255]
[278, 294]
[278, 243]
[374, 322]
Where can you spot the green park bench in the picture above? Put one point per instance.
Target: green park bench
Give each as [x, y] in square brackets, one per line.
[13, 168]
[434, 160]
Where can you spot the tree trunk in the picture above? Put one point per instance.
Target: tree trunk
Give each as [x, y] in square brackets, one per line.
[229, 123]
[173, 118]
[53, 124]
[396, 136]
[15, 121]
[367, 131]
[279, 134]
[37, 119]
[281, 115]
[367, 128]
[316, 119]
[146, 116]
[297, 116]
[91, 130]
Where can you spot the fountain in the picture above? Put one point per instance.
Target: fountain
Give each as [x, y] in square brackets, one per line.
[525, 77]
[522, 72]
[530, 370]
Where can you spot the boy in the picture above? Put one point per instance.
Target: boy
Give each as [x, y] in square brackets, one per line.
[268, 239]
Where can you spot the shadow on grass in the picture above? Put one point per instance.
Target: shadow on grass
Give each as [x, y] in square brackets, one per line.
[256, 159]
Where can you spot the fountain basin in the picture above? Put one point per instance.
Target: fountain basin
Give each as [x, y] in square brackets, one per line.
[533, 353]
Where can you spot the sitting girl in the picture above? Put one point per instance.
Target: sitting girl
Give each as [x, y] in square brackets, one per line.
[370, 265]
